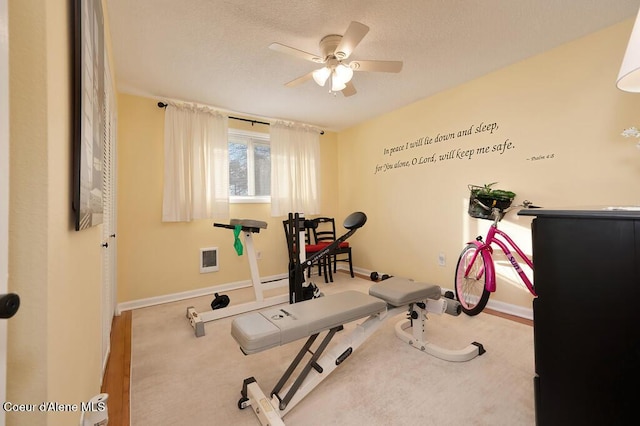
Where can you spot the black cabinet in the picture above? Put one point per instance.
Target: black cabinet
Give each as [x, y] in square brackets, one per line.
[586, 322]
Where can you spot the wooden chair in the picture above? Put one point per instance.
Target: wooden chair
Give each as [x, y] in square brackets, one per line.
[325, 233]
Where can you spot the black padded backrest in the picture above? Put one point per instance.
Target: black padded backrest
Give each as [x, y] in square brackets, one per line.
[355, 220]
[310, 226]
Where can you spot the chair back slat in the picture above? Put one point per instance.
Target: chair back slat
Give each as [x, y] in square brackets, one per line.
[325, 230]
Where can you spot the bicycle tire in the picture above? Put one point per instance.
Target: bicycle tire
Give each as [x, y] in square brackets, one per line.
[471, 292]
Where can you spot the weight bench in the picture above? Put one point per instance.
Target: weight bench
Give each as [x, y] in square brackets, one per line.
[259, 331]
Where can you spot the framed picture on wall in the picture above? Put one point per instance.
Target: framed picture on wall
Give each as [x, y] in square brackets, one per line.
[89, 127]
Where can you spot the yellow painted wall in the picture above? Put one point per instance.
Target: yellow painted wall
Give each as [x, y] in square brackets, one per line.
[54, 343]
[156, 258]
[562, 115]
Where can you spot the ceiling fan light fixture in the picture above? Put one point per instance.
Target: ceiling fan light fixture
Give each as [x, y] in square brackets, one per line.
[337, 84]
[321, 75]
[344, 73]
[334, 49]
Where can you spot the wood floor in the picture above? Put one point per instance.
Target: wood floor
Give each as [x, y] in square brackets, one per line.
[507, 316]
[117, 378]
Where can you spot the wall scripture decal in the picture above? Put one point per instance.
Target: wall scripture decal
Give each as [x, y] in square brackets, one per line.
[467, 153]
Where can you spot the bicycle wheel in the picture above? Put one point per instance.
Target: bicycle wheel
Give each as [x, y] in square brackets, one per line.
[471, 291]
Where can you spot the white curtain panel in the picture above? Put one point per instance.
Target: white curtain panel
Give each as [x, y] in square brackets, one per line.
[196, 164]
[295, 169]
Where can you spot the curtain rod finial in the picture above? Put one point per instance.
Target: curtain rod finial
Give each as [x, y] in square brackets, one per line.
[162, 105]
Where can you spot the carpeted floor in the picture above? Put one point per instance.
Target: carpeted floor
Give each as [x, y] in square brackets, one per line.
[177, 378]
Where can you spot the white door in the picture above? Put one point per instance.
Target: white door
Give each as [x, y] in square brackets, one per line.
[4, 189]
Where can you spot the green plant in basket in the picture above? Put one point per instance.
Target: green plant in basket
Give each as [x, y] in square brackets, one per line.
[487, 191]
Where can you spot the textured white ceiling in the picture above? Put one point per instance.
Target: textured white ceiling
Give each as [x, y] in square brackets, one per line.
[215, 52]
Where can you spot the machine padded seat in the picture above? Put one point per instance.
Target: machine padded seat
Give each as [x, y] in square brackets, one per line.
[258, 331]
[249, 223]
[402, 291]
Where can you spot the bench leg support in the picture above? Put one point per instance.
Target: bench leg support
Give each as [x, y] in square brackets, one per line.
[312, 363]
[321, 364]
[418, 330]
[253, 396]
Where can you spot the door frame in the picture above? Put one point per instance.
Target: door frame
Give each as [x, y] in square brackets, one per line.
[4, 189]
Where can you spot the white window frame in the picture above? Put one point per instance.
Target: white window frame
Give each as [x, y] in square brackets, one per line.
[249, 137]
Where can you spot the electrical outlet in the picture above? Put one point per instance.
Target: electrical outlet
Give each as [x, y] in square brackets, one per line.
[441, 259]
[258, 255]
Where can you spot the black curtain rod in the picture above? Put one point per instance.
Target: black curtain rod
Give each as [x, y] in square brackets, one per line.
[163, 105]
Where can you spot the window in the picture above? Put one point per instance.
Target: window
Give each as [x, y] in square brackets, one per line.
[249, 167]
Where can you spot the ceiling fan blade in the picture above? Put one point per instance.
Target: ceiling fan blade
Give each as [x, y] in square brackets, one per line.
[350, 90]
[376, 66]
[278, 47]
[300, 80]
[354, 35]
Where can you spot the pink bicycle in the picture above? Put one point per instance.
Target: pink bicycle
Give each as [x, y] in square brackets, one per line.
[475, 278]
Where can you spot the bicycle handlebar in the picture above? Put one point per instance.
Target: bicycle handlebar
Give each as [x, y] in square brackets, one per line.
[526, 204]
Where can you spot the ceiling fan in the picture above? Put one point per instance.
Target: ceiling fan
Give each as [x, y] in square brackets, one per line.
[334, 50]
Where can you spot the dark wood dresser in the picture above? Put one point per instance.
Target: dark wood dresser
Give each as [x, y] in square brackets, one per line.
[586, 316]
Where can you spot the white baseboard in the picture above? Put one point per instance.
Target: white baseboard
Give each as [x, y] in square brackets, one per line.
[206, 291]
[508, 308]
[503, 307]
